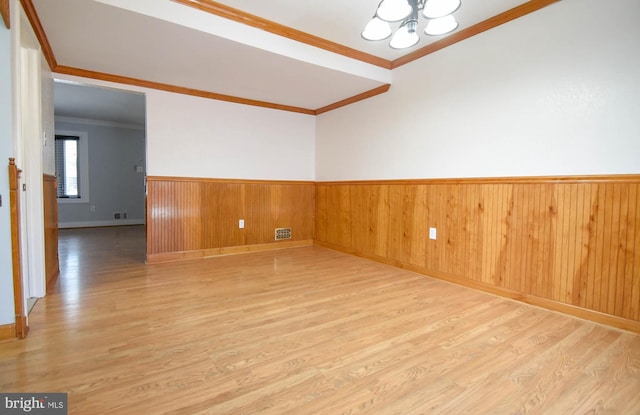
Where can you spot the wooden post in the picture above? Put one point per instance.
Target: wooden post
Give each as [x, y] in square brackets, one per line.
[18, 298]
[52, 263]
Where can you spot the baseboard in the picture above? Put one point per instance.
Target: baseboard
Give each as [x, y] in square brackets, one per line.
[7, 332]
[583, 313]
[100, 223]
[228, 250]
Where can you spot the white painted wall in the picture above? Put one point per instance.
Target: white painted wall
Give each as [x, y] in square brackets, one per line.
[112, 153]
[7, 314]
[48, 122]
[556, 92]
[198, 137]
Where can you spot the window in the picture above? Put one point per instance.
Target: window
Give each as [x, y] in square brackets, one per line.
[72, 166]
[68, 166]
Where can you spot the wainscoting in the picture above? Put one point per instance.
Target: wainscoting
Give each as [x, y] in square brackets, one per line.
[571, 244]
[52, 266]
[193, 218]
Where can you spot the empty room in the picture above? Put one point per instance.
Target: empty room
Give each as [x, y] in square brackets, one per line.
[286, 207]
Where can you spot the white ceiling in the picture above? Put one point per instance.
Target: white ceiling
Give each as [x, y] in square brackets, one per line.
[170, 43]
[102, 104]
[342, 21]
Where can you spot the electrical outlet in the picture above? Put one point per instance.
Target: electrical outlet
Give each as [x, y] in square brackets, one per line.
[241, 224]
[432, 233]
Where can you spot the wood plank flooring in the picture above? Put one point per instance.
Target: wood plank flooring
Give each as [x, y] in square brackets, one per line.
[302, 331]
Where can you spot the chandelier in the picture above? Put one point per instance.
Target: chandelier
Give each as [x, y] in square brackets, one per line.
[439, 14]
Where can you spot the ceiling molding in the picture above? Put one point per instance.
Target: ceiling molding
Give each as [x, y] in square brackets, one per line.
[236, 15]
[100, 123]
[32, 15]
[368, 94]
[509, 15]
[30, 10]
[278, 29]
[4, 11]
[580, 179]
[66, 70]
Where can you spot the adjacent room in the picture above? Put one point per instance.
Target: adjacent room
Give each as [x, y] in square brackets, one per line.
[106, 130]
[377, 207]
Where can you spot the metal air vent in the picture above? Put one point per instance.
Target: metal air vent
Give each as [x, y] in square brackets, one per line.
[283, 233]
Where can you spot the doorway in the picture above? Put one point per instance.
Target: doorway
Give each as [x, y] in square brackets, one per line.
[101, 179]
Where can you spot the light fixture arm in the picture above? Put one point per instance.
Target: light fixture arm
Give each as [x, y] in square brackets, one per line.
[412, 21]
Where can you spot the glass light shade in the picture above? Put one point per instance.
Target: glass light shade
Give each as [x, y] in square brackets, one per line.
[394, 10]
[435, 9]
[376, 29]
[441, 26]
[405, 37]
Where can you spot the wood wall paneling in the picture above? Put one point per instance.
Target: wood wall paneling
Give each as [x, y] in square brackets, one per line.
[569, 244]
[52, 264]
[190, 218]
[572, 242]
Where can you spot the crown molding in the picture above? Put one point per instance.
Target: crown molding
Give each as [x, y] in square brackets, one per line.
[281, 30]
[100, 123]
[239, 16]
[367, 94]
[30, 11]
[577, 179]
[459, 36]
[102, 76]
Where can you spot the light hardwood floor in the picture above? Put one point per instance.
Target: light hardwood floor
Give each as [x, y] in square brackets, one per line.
[302, 331]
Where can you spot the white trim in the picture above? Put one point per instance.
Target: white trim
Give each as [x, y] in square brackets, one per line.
[30, 148]
[84, 166]
[90, 121]
[100, 223]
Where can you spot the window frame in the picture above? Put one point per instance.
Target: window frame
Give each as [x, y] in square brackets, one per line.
[61, 162]
[83, 166]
